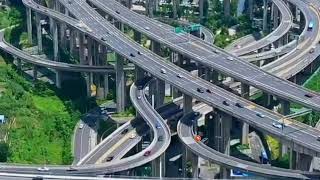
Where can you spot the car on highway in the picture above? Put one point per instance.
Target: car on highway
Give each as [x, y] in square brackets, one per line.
[312, 50]
[132, 55]
[310, 26]
[139, 97]
[163, 71]
[179, 75]
[104, 38]
[160, 138]
[125, 131]
[72, 169]
[81, 125]
[230, 58]
[133, 135]
[208, 91]
[109, 158]
[140, 53]
[196, 113]
[158, 126]
[117, 12]
[147, 28]
[277, 125]
[239, 105]
[226, 103]
[147, 153]
[37, 178]
[318, 138]
[205, 140]
[308, 95]
[260, 115]
[43, 169]
[197, 138]
[200, 90]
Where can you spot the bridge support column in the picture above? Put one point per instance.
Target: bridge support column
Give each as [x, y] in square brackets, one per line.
[137, 36]
[201, 2]
[265, 16]
[176, 59]
[175, 5]
[160, 93]
[58, 78]
[39, 33]
[285, 110]
[226, 7]
[29, 24]
[55, 41]
[245, 93]
[63, 28]
[81, 48]
[275, 16]
[120, 83]
[187, 155]
[250, 9]
[35, 73]
[159, 166]
[104, 78]
[156, 47]
[222, 137]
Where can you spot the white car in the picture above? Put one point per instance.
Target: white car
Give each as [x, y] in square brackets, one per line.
[139, 97]
[163, 71]
[277, 125]
[81, 125]
[230, 58]
[43, 169]
[133, 135]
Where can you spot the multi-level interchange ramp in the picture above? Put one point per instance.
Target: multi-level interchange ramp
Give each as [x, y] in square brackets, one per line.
[90, 23]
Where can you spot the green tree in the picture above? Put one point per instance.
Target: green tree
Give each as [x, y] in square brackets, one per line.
[4, 152]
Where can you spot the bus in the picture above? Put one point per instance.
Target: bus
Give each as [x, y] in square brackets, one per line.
[310, 26]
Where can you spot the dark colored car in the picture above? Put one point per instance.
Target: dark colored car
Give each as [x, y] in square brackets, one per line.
[109, 158]
[147, 153]
[124, 131]
[200, 90]
[225, 103]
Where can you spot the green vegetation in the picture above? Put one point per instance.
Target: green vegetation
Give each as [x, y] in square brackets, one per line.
[41, 124]
[9, 17]
[129, 112]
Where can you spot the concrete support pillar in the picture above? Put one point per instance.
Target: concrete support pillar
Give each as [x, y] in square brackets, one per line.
[120, 83]
[275, 16]
[81, 48]
[222, 137]
[39, 33]
[285, 110]
[188, 155]
[29, 24]
[71, 41]
[175, 5]
[265, 16]
[55, 41]
[226, 8]
[63, 39]
[58, 78]
[176, 59]
[159, 166]
[160, 93]
[137, 36]
[156, 47]
[245, 93]
[35, 73]
[201, 2]
[250, 9]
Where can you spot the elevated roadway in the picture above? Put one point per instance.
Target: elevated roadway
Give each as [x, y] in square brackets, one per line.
[210, 56]
[214, 99]
[186, 134]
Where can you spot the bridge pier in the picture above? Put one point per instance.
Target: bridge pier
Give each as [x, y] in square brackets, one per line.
[159, 166]
[222, 127]
[35, 73]
[55, 41]
[29, 24]
[175, 59]
[265, 16]
[39, 33]
[245, 93]
[275, 11]
[226, 8]
[175, 6]
[120, 83]
[250, 9]
[58, 78]
[188, 156]
[285, 110]
[63, 28]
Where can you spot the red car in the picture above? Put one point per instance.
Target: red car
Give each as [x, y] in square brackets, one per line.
[147, 153]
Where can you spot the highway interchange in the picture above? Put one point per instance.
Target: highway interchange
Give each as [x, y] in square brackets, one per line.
[196, 50]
